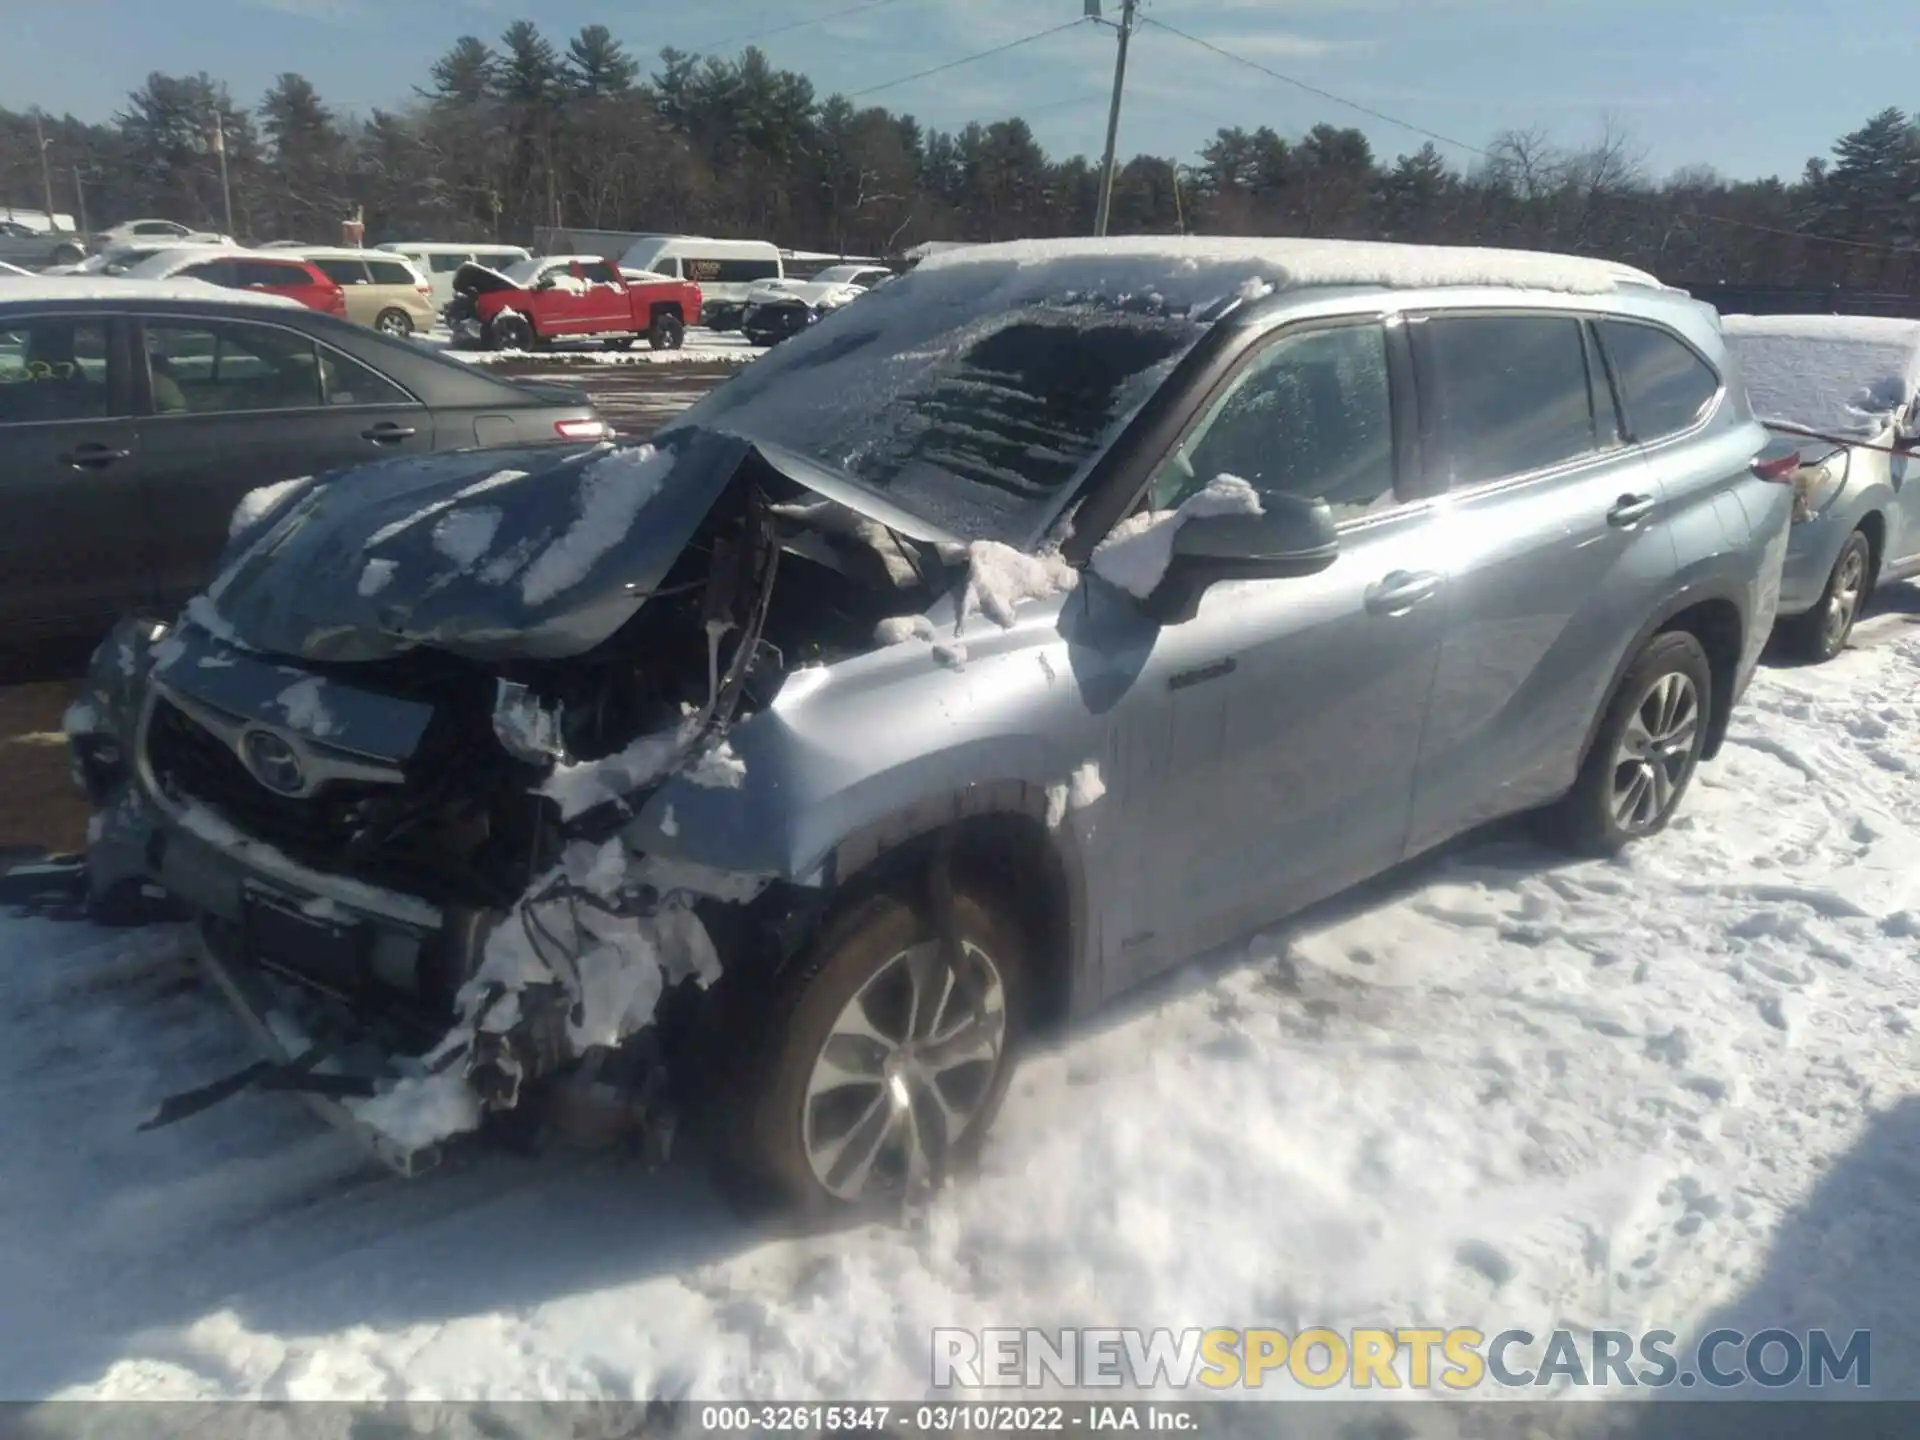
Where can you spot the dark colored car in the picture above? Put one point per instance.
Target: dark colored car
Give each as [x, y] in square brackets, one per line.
[768, 322]
[131, 427]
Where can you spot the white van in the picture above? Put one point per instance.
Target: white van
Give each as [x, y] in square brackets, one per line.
[438, 262]
[725, 270]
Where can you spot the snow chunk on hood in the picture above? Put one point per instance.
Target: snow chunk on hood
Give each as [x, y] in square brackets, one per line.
[465, 536]
[999, 577]
[256, 503]
[719, 769]
[377, 575]
[1083, 788]
[1136, 553]
[305, 710]
[612, 493]
[1849, 376]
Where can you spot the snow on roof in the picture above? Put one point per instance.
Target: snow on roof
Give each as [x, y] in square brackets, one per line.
[1290, 264]
[1846, 375]
[40, 288]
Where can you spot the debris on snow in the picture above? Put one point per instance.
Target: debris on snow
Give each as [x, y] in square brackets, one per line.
[256, 503]
[612, 494]
[376, 577]
[898, 629]
[1082, 788]
[465, 536]
[1137, 551]
[999, 577]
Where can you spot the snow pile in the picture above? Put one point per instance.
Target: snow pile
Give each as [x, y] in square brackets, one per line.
[304, 708]
[465, 536]
[999, 577]
[420, 1110]
[258, 502]
[1292, 264]
[612, 493]
[719, 769]
[898, 629]
[1083, 788]
[1136, 553]
[1845, 375]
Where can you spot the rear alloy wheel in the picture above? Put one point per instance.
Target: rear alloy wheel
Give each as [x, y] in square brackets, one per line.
[68, 255]
[887, 1065]
[510, 331]
[396, 323]
[1822, 632]
[1644, 754]
[667, 333]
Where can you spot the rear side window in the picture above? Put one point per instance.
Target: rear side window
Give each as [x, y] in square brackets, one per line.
[447, 264]
[1506, 394]
[52, 369]
[214, 272]
[498, 259]
[341, 272]
[1665, 387]
[390, 272]
[271, 273]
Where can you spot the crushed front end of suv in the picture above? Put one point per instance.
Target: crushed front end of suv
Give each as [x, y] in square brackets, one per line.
[960, 663]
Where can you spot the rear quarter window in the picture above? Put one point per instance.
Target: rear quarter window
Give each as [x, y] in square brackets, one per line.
[390, 272]
[1664, 386]
[341, 272]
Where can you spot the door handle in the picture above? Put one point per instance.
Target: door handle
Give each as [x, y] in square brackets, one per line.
[1630, 510]
[386, 432]
[92, 456]
[1401, 591]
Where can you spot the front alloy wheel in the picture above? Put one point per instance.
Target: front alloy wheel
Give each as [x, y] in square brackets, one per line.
[1656, 752]
[905, 1071]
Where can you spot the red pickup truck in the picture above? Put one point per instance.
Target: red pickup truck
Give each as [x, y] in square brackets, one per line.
[568, 297]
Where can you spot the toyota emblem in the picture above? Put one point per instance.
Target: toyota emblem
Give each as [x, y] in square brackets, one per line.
[273, 762]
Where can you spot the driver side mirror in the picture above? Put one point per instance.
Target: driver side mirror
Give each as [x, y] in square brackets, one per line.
[1290, 538]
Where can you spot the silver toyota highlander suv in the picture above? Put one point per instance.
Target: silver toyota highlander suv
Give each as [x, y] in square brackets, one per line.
[1060, 610]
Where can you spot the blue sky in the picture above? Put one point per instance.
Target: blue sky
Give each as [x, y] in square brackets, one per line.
[1751, 89]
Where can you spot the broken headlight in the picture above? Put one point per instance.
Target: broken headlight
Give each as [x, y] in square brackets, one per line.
[526, 726]
[1814, 486]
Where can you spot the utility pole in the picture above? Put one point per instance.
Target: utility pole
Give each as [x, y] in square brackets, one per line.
[46, 172]
[1105, 207]
[80, 203]
[220, 149]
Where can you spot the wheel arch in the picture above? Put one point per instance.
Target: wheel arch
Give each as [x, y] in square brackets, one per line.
[1714, 618]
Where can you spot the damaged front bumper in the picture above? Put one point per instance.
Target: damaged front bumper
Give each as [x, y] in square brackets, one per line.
[553, 995]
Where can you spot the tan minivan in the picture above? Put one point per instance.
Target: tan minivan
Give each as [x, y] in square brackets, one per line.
[382, 290]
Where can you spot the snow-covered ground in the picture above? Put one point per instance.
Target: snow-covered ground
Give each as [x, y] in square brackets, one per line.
[1503, 1090]
[702, 347]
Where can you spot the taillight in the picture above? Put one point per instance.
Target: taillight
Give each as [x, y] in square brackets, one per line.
[582, 429]
[1777, 469]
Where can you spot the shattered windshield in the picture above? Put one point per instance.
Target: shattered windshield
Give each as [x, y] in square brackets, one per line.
[969, 398]
[522, 272]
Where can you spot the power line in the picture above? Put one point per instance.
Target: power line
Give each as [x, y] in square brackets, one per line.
[968, 59]
[753, 35]
[1300, 84]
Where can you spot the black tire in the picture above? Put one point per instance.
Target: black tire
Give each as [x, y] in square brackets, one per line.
[666, 333]
[510, 330]
[1822, 632]
[396, 323]
[766, 1147]
[1588, 820]
[68, 255]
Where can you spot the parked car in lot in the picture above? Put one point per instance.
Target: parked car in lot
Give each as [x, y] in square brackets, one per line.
[725, 270]
[158, 233]
[26, 246]
[567, 297]
[1846, 390]
[116, 260]
[135, 415]
[384, 291]
[286, 276]
[440, 262]
[1063, 609]
[780, 309]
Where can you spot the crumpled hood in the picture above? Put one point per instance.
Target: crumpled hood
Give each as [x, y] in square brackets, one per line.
[482, 280]
[539, 552]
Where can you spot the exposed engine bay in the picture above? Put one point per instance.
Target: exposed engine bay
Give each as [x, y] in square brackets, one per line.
[558, 942]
